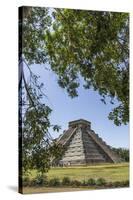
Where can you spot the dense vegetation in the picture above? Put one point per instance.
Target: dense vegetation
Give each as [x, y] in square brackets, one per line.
[123, 153]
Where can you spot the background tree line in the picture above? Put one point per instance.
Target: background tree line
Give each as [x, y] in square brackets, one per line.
[123, 153]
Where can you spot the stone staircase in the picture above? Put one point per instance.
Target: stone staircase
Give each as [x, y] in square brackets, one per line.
[66, 136]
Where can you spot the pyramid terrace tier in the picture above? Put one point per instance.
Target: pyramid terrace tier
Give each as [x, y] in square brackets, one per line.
[83, 146]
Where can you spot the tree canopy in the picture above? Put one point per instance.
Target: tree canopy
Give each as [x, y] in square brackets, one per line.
[33, 23]
[93, 45]
[37, 147]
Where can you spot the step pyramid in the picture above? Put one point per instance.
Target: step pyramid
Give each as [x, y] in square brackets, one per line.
[83, 146]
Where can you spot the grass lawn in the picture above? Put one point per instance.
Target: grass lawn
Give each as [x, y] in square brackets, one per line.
[110, 172]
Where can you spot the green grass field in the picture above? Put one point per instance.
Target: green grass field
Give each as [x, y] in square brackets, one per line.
[115, 172]
[110, 172]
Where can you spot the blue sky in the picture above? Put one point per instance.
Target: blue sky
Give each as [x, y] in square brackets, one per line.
[86, 106]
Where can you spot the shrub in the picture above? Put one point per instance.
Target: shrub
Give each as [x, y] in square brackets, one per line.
[126, 183]
[100, 182]
[76, 183]
[84, 183]
[109, 185]
[117, 184]
[91, 181]
[40, 180]
[121, 183]
[66, 181]
[54, 182]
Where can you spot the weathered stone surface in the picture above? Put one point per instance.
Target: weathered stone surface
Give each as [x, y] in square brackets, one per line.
[83, 146]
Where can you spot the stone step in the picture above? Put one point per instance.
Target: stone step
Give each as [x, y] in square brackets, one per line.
[73, 154]
[76, 147]
[106, 147]
[94, 157]
[102, 141]
[93, 153]
[73, 158]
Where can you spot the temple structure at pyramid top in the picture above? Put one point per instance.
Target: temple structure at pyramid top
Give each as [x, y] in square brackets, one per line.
[80, 122]
[83, 146]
